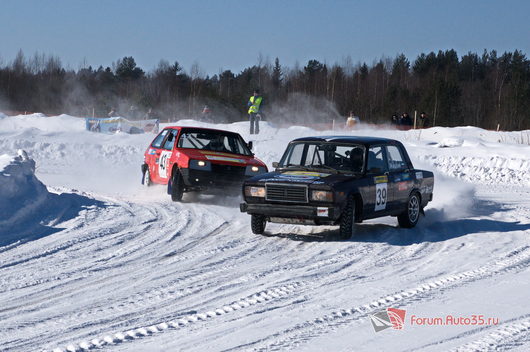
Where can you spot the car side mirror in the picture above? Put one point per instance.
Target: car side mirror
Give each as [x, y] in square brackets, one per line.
[275, 164]
[250, 145]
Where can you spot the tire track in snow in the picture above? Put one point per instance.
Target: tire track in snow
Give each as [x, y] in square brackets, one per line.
[499, 339]
[56, 296]
[179, 323]
[303, 332]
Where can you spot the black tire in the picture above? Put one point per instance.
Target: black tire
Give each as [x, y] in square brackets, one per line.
[258, 223]
[347, 220]
[147, 178]
[177, 186]
[409, 218]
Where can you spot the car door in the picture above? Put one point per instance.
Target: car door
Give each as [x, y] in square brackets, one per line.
[400, 182]
[153, 155]
[166, 150]
[379, 190]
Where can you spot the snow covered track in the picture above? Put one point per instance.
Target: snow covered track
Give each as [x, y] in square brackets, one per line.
[502, 339]
[303, 333]
[104, 264]
[181, 322]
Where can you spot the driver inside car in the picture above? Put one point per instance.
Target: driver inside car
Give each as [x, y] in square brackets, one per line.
[217, 145]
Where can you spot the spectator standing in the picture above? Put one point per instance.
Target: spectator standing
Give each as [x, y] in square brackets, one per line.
[406, 120]
[254, 105]
[206, 114]
[352, 121]
[113, 113]
[424, 120]
[149, 114]
[395, 120]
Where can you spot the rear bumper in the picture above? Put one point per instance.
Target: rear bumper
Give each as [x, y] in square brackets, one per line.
[320, 214]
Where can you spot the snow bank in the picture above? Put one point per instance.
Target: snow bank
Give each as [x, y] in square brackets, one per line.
[21, 193]
[42, 122]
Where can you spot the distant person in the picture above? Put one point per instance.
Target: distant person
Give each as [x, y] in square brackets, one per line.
[149, 115]
[254, 105]
[424, 120]
[395, 120]
[133, 110]
[113, 113]
[206, 114]
[405, 120]
[352, 121]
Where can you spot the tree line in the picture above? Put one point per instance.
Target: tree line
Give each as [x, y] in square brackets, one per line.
[479, 90]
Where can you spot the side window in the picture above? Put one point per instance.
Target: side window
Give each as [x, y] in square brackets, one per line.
[376, 161]
[157, 143]
[395, 159]
[170, 140]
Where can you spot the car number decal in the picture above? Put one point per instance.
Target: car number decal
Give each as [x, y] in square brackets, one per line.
[380, 196]
[162, 164]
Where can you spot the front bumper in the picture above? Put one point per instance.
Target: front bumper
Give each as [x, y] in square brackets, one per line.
[275, 212]
[225, 178]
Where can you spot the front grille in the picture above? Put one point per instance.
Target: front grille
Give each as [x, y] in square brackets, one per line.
[228, 170]
[286, 193]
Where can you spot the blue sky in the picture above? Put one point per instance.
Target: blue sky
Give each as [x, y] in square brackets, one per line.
[232, 34]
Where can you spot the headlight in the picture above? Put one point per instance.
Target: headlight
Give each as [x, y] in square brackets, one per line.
[202, 165]
[322, 196]
[252, 191]
[253, 170]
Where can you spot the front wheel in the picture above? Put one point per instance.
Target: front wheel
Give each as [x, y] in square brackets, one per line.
[409, 218]
[258, 223]
[177, 186]
[347, 220]
[147, 178]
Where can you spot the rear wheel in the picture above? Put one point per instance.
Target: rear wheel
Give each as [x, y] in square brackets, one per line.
[409, 218]
[347, 220]
[258, 223]
[177, 186]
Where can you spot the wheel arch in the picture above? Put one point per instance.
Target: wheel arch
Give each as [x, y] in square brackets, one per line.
[415, 190]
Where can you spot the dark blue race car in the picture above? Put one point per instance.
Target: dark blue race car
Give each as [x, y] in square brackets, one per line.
[339, 180]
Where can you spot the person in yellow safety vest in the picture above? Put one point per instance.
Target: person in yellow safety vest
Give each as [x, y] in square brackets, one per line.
[254, 104]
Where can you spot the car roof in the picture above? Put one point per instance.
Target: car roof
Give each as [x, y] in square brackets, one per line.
[192, 128]
[347, 139]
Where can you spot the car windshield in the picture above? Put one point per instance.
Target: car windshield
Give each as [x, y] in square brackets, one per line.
[213, 140]
[324, 156]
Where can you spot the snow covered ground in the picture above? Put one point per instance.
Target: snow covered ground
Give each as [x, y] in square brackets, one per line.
[95, 261]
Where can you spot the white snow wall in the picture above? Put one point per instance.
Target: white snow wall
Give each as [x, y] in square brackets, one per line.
[21, 193]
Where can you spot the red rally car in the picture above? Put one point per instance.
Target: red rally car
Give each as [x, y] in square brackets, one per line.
[199, 159]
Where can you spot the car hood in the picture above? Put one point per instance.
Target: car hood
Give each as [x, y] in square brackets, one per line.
[220, 157]
[301, 177]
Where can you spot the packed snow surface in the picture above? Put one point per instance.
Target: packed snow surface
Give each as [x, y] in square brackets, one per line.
[90, 260]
